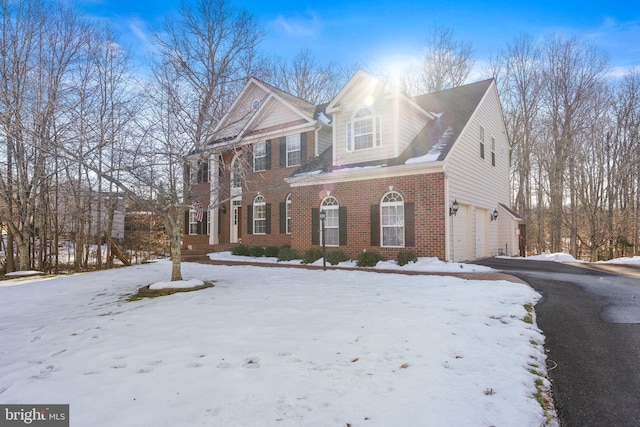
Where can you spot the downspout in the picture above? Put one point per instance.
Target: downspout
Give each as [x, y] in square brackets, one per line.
[447, 221]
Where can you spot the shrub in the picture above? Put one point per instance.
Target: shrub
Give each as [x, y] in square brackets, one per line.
[287, 254]
[240, 250]
[368, 259]
[311, 256]
[256, 251]
[405, 257]
[335, 257]
[271, 251]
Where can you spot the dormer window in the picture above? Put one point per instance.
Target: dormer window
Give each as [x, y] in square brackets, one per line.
[364, 130]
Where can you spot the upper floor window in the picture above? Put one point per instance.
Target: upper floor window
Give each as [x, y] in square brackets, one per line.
[364, 131]
[198, 171]
[493, 151]
[259, 215]
[330, 206]
[392, 219]
[293, 150]
[260, 156]
[237, 175]
[481, 142]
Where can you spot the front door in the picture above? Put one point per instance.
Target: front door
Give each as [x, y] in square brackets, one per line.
[236, 222]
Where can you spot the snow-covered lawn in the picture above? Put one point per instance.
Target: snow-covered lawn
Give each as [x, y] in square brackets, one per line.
[273, 347]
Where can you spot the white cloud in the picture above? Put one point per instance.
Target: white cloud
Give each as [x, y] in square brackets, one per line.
[305, 26]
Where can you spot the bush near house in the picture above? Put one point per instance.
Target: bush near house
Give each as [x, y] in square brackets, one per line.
[271, 251]
[368, 259]
[405, 257]
[256, 251]
[336, 257]
[287, 254]
[240, 250]
[311, 256]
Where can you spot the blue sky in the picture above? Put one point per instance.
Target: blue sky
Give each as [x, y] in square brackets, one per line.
[379, 33]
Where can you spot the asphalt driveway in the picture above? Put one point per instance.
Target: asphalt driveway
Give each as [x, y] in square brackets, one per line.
[590, 315]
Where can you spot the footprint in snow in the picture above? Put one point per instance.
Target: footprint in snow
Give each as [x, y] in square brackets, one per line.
[252, 362]
[36, 338]
[59, 352]
[44, 373]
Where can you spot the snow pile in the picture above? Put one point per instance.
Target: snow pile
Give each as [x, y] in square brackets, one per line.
[624, 260]
[177, 284]
[273, 347]
[435, 151]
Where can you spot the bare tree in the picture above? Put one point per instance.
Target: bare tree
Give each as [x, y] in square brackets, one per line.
[572, 73]
[447, 62]
[205, 57]
[305, 77]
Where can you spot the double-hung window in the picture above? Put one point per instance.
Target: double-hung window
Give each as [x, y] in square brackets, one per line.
[481, 142]
[288, 214]
[364, 131]
[259, 215]
[260, 156]
[392, 220]
[193, 221]
[293, 150]
[237, 173]
[331, 208]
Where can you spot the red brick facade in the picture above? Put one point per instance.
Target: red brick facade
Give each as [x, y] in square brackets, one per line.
[425, 192]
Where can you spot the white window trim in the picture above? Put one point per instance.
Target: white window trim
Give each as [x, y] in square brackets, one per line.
[384, 204]
[237, 168]
[263, 221]
[193, 221]
[376, 131]
[288, 214]
[263, 156]
[299, 150]
[326, 208]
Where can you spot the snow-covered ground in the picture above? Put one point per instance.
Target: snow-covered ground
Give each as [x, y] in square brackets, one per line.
[273, 347]
[563, 257]
[432, 264]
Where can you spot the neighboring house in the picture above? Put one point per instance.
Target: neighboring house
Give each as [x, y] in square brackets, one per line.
[388, 170]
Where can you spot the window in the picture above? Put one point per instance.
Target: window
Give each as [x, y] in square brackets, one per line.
[193, 221]
[493, 151]
[288, 214]
[259, 215]
[260, 156]
[237, 172]
[364, 131]
[255, 104]
[392, 220]
[293, 150]
[330, 206]
[198, 172]
[481, 142]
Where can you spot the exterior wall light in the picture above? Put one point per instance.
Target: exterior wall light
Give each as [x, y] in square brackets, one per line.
[494, 215]
[453, 210]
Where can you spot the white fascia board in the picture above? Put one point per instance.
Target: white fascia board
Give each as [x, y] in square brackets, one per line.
[366, 174]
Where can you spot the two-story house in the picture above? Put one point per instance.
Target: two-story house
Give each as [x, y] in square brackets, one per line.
[389, 172]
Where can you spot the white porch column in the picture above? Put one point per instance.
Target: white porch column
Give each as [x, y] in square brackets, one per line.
[214, 212]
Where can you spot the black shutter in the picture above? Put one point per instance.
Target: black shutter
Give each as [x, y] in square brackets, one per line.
[186, 222]
[283, 152]
[315, 226]
[204, 172]
[268, 219]
[202, 226]
[374, 220]
[268, 155]
[342, 223]
[303, 147]
[409, 225]
[250, 219]
[283, 217]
